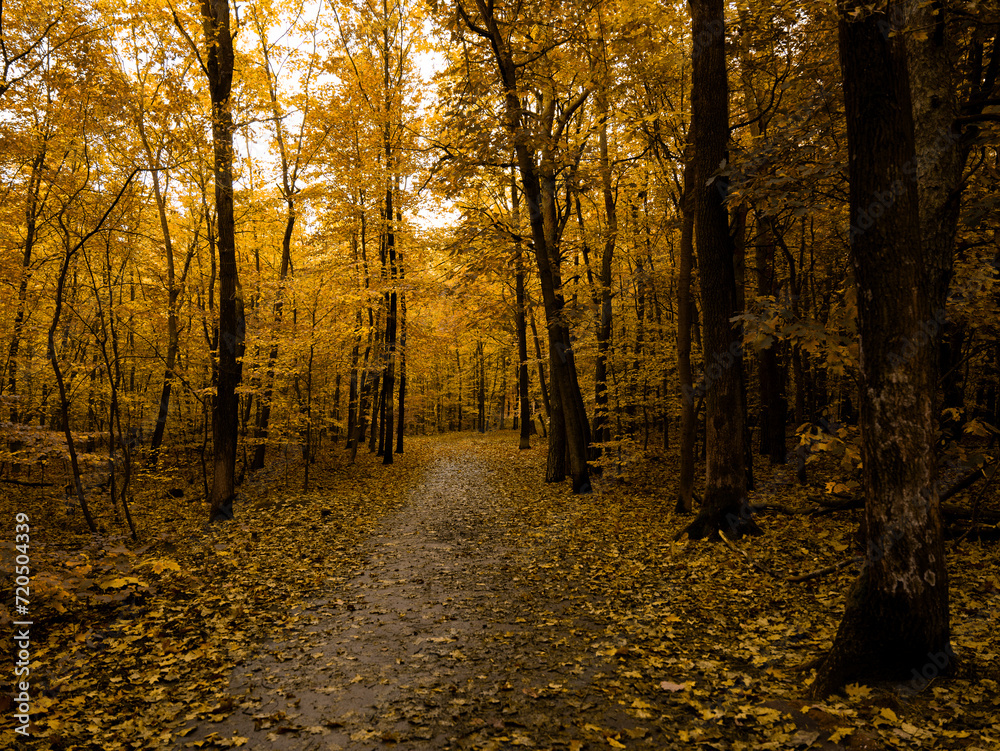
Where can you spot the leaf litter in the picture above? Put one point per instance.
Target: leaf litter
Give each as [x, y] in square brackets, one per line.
[454, 601]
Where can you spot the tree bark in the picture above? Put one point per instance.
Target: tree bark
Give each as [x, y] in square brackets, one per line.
[685, 490]
[520, 319]
[725, 476]
[400, 422]
[31, 214]
[896, 621]
[569, 432]
[225, 415]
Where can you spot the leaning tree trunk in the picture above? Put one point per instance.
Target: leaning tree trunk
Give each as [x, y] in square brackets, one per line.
[569, 434]
[895, 623]
[225, 415]
[725, 477]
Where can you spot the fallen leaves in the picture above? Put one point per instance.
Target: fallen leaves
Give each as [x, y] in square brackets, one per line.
[616, 637]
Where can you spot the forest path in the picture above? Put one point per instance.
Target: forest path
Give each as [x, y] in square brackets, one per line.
[436, 642]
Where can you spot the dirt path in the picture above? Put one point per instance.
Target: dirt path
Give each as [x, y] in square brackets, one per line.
[435, 643]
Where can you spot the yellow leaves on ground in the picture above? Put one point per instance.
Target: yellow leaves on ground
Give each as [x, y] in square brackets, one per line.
[139, 642]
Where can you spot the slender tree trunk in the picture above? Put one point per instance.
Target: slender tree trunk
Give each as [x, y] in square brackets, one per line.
[31, 229]
[63, 392]
[896, 621]
[458, 364]
[225, 416]
[352, 393]
[685, 491]
[541, 366]
[400, 422]
[173, 329]
[481, 387]
[773, 404]
[520, 320]
[569, 431]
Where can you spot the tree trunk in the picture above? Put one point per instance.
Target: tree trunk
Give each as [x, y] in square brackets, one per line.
[569, 431]
[400, 422]
[63, 392]
[895, 623]
[31, 223]
[481, 387]
[520, 321]
[225, 415]
[685, 491]
[541, 367]
[773, 402]
[725, 477]
[602, 432]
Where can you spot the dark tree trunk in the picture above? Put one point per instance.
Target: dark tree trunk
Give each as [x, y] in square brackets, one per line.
[480, 388]
[31, 229]
[225, 415]
[773, 404]
[458, 365]
[352, 392]
[400, 422]
[896, 621]
[541, 366]
[725, 477]
[264, 416]
[602, 432]
[520, 321]
[569, 432]
[376, 420]
[685, 305]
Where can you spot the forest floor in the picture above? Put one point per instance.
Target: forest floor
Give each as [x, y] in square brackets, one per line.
[455, 601]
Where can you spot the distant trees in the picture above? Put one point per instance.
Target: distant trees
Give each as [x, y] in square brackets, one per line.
[649, 248]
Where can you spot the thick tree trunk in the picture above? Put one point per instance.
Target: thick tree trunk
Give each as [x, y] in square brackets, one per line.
[895, 623]
[725, 477]
[225, 415]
